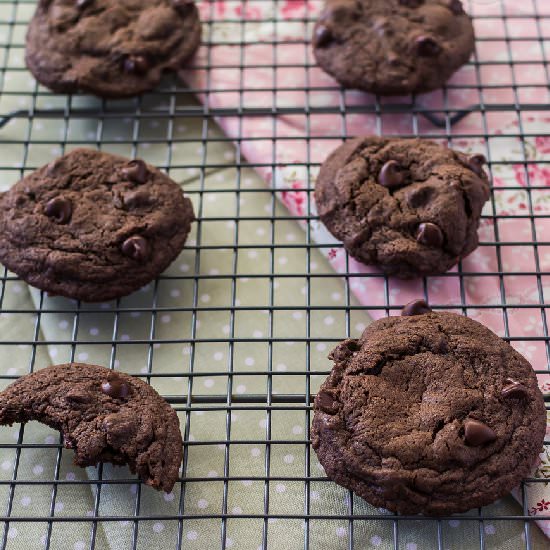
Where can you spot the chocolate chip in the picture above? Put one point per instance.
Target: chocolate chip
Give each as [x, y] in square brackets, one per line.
[78, 396]
[136, 171]
[429, 234]
[137, 198]
[411, 3]
[455, 6]
[83, 3]
[476, 162]
[477, 433]
[426, 46]
[322, 36]
[115, 387]
[514, 389]
[416, 307]
[391, 175]
[120, 428]
[136, 64]
[326, 403]
[136, 247]
[59, 209]
[419, 196]
[183, 7]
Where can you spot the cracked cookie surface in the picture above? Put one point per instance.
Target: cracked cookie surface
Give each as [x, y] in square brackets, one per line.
[408, 206]
[111, 48]
[392, 47]
[104, 416]
[428, 413]
[93, 226]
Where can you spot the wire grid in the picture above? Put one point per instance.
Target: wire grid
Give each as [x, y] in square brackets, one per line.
[170, 106]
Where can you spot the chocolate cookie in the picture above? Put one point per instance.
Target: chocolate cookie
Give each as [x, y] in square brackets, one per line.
[409, 206]
[111, 48]
[105, 416]
[93, 226]
[393, 47]
[428, 413]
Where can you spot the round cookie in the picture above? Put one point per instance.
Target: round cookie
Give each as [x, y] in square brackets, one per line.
[110, 48]
[104, 416]
[93, 226]
[393, 47]
[428, 413]
[408, 206]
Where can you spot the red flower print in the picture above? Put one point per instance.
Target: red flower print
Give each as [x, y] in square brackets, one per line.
[295, 200]
[542, 143]
[538, 174]
[332, 253]
[294, 8]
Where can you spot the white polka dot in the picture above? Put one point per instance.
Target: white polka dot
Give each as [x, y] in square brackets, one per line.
[169, 497]
[252, 254]
[70, 476]
[241, 388]
[296, 430]
[218, 356]
[288, 459]
[158, 527]
[175, 293]
[376, 540]
[80, 545]
[59, 506]
[280, 367]
[205, 298]
[94, 331]
[133, 488]
[16, 288]
[237, 510]
[226, 329]
[165, 318]
[11, 371]
[328, 320]
[313, 265]
[341, 532]
[410, 546]
[26, 500]
[257, 334]
[192, 535]
[336, 296]
[53, 352]
[283, 260]
[212, 473]
[83, 356]
[255, 451]
[249, 361]
[50, 439]
[184, 268]
[454, 522]
[263, 423]
[125, 337]
[202, 504]
[489, 529]
[229, 155]
[280, 488]
[247, 482]
[315, 495]
[12, 532]
[297, 315]
[63, 325]
[38, 469]
[260, 231]
[290, 237]
[208, 382]
[360, 327]
[6, 465]
[321, 346]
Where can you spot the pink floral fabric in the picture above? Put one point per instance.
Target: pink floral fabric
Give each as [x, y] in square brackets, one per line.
[274, 69]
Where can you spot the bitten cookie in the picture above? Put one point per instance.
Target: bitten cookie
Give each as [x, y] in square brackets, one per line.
[104, 416]
[93, 226]
[392, 47]
[408, 206]
[428, 413]
[111, 48]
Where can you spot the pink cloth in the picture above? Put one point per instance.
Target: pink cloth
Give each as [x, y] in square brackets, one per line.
[275, 56]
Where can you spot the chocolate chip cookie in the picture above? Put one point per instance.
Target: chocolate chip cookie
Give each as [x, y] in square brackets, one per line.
[393, 47]
[93, 226]
[428, 413]
[110, 48]
[104, 416]
[409, 206]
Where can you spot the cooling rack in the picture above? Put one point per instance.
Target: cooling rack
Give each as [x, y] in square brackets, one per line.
[235, 334]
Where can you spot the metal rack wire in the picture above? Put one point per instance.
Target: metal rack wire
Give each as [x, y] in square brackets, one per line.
[30, 116]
